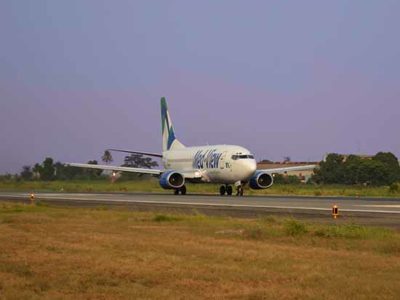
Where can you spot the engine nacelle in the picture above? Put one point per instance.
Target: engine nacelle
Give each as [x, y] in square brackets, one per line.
[261, 180]
[172, 180]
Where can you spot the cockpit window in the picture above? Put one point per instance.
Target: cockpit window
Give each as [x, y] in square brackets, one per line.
[242, 156]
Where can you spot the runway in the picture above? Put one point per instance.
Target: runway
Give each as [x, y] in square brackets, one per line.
[364, 211]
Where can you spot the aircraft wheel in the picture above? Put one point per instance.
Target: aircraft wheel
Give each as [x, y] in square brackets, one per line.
[229, 190]
[176, 192]
[183, 190]
[239, 191]
[222, 190]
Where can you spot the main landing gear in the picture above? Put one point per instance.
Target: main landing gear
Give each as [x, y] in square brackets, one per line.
[225, 189]
[181, 191]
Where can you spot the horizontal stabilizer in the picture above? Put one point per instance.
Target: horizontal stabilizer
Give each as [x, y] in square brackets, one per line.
[115, 168]
[136, 152]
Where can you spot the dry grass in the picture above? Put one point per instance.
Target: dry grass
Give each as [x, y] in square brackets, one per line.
[74, 253]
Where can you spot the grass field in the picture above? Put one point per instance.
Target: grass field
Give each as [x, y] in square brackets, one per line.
[151, 185]
[75, 253]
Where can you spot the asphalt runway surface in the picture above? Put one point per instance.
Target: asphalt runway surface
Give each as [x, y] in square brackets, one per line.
[367, 211]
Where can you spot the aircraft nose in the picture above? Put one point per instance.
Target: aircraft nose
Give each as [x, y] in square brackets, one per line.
[251, 167]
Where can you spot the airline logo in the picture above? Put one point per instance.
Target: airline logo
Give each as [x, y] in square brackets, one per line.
[208, 159]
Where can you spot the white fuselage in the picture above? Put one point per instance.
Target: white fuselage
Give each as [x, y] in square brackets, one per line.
[224, 164]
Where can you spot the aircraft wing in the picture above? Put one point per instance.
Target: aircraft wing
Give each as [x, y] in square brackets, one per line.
[287, 169]
[115, 168]
[136, 152]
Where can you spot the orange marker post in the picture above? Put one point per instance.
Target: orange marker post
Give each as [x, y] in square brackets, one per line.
[335, 211]
[32, 197]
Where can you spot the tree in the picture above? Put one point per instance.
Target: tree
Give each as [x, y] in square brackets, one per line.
[93, 173]
[136, 160]
[37, 169]
[68, 172]
[26, 173]
[47, 170]
[391, 164]
[352, 170]
[331, 170]
[382, 169]
[59, 171]
[373, 172]
[65, 172]
[107, 157]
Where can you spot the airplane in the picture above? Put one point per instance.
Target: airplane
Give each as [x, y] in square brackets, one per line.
[222, 164]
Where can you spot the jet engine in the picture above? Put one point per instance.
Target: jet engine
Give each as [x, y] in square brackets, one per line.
[172, 180]
[261, 180]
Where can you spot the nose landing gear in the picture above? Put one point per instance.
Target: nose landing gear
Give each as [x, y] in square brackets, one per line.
[225, 189]
[239, 190]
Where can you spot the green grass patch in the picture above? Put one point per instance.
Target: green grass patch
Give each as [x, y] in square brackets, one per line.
[152, 186]
[294, 227]
[7, 208]
[166, 218]
[353, 231]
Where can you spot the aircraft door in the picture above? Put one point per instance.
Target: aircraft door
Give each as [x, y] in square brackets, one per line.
[222, 160]
[224, 163]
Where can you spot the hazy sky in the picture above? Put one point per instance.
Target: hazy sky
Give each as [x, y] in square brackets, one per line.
[282, 78]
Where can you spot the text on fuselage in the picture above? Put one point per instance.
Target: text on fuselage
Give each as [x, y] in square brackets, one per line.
[208, 159]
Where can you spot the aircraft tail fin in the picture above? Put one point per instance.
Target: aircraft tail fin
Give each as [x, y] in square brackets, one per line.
[168, 134]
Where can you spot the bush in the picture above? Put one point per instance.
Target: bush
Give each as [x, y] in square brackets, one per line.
[286, 179]
[294, 227]
[165, 218]
[253, 233]
[353, 231]
[394, 188]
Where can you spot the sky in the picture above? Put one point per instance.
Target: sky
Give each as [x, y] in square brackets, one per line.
[281, 78]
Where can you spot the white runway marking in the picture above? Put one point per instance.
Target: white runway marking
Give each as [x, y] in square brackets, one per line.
[380, 205]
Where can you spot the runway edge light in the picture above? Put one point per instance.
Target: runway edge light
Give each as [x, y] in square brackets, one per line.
[335, 211]
[32, 197]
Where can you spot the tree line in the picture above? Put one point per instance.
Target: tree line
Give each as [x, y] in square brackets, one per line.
[380, 169]
[49, 170]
